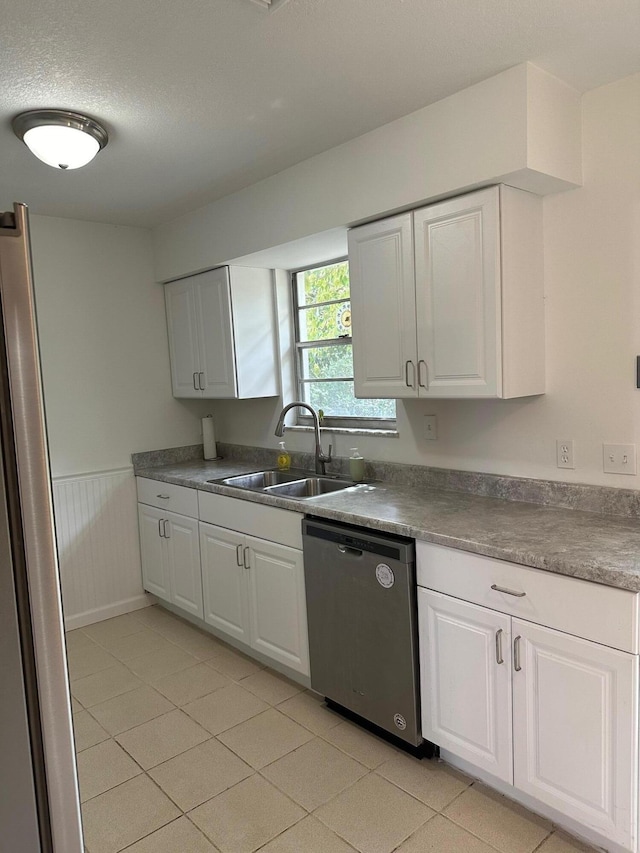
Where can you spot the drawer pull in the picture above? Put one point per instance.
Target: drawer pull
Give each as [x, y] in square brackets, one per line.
[516, 653]
[507, 591]
[164, 497]
[499, 658]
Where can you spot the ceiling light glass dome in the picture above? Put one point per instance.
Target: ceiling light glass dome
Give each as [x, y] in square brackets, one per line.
[62, 139]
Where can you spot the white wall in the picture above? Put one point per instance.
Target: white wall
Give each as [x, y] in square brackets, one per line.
[104, 347]
[592, 283]
[521, 127]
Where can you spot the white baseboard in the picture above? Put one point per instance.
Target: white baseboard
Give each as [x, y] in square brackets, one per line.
[98, 614]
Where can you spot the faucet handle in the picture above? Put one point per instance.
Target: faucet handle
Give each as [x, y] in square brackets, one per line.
[328, 457]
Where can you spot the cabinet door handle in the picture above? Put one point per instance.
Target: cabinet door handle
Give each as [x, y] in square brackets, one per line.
[247, 552]
[239, 555]
[426, 369]
[201, 381]
[195, 382]
[406, 373]
[499, 658]
[165, 521]
[160, 533]
[516, 653]
[507, 591]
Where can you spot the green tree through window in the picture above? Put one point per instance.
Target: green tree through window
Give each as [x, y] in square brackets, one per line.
[323, 342]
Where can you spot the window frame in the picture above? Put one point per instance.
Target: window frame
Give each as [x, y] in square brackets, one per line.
[339, 422]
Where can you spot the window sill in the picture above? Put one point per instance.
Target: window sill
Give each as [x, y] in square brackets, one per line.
[373, 433]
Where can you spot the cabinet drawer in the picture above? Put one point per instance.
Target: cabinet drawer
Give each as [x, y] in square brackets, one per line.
[596, 612]
[167, 496]
[265, 522]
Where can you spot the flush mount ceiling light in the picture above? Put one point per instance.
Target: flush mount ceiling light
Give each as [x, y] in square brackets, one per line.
[60, 138]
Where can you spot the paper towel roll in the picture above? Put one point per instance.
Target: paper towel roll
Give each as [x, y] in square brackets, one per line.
[209, 438]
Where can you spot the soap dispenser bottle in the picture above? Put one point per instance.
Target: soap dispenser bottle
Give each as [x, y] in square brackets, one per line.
[284, 459]
[356, 465]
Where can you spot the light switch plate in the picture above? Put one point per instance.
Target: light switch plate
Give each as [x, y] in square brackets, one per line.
[619, 458]
[430, 427]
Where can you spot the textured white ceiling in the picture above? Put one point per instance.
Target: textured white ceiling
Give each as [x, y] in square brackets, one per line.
[203, 97]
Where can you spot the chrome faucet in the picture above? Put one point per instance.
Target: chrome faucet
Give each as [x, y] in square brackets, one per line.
[321, 457]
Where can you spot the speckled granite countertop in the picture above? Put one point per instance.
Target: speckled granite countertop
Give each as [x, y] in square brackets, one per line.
[600, 548]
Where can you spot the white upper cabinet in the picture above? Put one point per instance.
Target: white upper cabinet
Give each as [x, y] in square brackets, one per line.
[222, 334]
[448, 300]
[383, 301]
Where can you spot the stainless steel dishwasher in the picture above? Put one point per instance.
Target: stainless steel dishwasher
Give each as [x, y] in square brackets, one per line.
[361, 610]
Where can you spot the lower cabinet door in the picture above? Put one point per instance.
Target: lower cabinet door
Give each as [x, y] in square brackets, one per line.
[224, 582]
[155, 571]
[183, 549]
[277, 604]
[465, 680]
[575, 715]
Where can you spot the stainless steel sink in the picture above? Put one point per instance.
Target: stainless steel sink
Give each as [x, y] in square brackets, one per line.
[309, 487]
[258, 481]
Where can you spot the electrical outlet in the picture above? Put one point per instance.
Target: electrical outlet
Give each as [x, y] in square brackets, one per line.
[564, 453]
[619, 458]
[430, 427]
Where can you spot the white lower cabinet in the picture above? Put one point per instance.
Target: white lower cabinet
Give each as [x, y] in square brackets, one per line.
[553, 714]
[223, 581]
[254, 592]
[466, 677]
[171, 557]
[575, 721]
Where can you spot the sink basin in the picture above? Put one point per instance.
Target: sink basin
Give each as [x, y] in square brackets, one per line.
[309, 487]
[259, 480]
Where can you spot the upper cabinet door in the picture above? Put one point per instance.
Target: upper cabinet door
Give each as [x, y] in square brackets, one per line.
[182, 327]
[383, 304]
[215, 329]
[458, 296]
[575, 717]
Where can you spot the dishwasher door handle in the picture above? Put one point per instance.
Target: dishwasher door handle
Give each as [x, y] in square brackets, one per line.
[345, 549]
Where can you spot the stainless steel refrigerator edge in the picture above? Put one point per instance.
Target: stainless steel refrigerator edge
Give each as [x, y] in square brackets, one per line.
[39, 806]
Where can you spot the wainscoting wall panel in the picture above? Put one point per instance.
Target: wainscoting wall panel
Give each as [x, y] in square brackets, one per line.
[99, 550]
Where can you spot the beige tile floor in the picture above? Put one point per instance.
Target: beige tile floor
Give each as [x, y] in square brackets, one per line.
[186, 746]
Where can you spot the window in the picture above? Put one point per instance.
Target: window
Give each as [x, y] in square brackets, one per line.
[324, 360]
